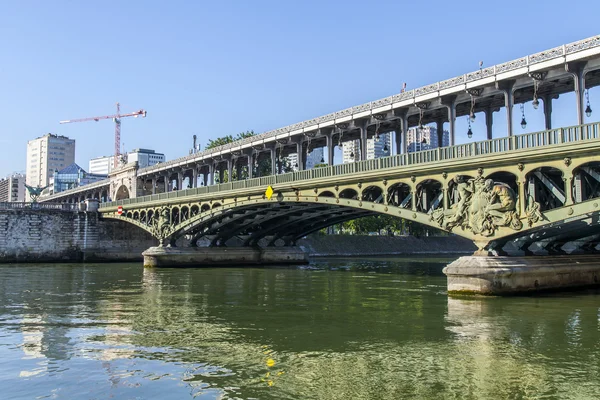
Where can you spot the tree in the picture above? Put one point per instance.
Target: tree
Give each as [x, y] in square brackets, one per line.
[212, 143]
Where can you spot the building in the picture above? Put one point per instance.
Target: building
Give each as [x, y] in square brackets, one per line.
[376, 148]
[71, 177]
[425, 138]
[351, 151]
[144, 157]
[12, 188]
[45, 155]
[315, 157]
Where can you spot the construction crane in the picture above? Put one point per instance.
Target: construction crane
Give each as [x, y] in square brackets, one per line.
[117, 119]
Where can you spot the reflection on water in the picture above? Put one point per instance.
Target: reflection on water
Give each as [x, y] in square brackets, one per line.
[337, 329]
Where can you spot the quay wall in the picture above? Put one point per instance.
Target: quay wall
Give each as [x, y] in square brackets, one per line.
[40, 235]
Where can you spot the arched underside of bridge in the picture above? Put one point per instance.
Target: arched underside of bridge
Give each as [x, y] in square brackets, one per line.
[262, 222]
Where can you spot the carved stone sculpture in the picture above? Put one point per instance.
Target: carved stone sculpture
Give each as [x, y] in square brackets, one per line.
[483, 205]
[162, 227]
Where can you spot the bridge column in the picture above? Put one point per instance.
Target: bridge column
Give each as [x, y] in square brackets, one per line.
[221, 171]
[166, 182]
[577, 71]
[450, 103]
[446, 204]
[195, 177]
[238, 169]
[273, 161]
[330, 146]
[211, 174]
[507, 88]
[489, 121]
[180, 180]
[363, 140]
[440, 131]
[300, 156]
[547, 99]
[250, 166]
[404, 138]
[229, 170]
[154, 183]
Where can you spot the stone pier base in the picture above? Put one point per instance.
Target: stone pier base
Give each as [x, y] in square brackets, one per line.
[224, 256]
[512, 275]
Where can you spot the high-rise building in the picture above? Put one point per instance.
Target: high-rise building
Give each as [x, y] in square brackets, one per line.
[376, 148]
[12, 188]
[425, 138]
[315, 157]
[351, 151]
[47, 154]
[144, 157]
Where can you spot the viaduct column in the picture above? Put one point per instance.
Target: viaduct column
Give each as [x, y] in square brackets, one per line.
[154, 183]
[507, 88]
[577, 71]
[229, 170]
[299, 155]
[166, 182]
[440, 132]
[238, 169]
[363, 140]
[273, 161]
[179, 179]
[489, 121]
[211, 174]
[547, 99]
[250, 165]
[330, 148]
[450, 103]
[195, 177]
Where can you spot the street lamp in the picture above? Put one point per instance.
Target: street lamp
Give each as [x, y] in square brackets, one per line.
[470, 131]
[523, 121]
[588, 109]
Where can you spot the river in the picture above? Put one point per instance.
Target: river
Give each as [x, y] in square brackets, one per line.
[336, 329]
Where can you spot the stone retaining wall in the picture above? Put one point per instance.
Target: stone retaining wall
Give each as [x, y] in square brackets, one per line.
[28, 235]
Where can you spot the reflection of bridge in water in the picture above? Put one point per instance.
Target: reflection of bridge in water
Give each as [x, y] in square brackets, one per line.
[515, 194]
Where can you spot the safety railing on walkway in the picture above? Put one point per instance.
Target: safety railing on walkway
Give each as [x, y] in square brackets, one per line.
[500, 145]
[38, 206]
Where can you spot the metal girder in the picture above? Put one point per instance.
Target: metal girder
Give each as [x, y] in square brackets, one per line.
[555, 190]
[258, 219]
[291, 221]
[308, 230]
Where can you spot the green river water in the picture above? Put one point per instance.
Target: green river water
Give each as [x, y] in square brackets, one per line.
[337, 329]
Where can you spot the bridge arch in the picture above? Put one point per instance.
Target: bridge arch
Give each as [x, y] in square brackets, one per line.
[348, 194]
[122, 193]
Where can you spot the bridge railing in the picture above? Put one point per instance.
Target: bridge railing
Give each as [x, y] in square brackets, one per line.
[499, 145]
[38, 206]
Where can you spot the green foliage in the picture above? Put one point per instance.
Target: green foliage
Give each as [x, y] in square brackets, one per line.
[381, 225]
[212, 143]
[321, 165]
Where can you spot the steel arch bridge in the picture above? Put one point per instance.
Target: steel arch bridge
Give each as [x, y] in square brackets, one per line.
[538, 188]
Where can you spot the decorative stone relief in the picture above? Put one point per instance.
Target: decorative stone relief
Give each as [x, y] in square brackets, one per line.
[483, 206]
[162, 226]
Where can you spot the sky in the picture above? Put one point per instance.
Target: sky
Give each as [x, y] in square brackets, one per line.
[223, 67]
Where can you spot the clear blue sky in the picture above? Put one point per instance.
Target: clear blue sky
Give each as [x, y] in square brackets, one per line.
[221, 67]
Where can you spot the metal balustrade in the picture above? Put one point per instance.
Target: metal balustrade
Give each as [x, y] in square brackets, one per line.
[38, 206]
[500, 145]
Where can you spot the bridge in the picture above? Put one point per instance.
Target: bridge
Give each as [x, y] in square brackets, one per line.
[514, 195]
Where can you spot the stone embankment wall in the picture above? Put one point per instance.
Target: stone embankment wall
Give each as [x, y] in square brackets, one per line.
[54, 235]
[357, 245]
